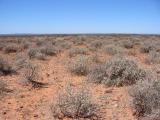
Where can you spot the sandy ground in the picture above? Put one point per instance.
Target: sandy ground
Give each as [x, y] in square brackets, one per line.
[34, 104]
[24, 103]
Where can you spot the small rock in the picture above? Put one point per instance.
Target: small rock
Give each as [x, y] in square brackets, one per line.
[4, 113]
[35, 115]
[47, 74]
[21, 107]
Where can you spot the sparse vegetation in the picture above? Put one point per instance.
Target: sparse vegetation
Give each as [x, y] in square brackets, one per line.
[62, 44]
[100, 69]
[11, 48]
[2, 45]
[95, 45]
[49, 50]
[128, 44]
[75, 104]
[5, 67]
[32, 52]
[113, 49]
[21, 61]
[3, 86]
[153, 57]
[148, 46]
[77, 51]
[31, 76]
[117, 72]
[79, 40]
[146, 98]
[79, 65]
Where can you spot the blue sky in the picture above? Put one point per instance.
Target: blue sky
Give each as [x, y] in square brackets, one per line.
[79, 16]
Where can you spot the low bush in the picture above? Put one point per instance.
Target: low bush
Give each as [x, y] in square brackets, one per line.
[11, 48]
[128, 44]
[113, 49]
[146, 98]
[5, 67]
[96, 58]
[40, 56]
[80, 40]
[148, 46]
[31, 76]
[153, 57]
[32, 52]
[75, 103]
[3, 86]
[95, 45]
[79, 65]
[117, 72]
[2, 45]
[21, 61]
[41, 42]
[62, 44]
[26, 44]
[77, 51]
[49, 50]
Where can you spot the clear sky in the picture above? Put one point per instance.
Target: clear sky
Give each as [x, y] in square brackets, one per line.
[79, 16]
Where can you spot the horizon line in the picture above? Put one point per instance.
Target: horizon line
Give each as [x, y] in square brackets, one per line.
[19, 34]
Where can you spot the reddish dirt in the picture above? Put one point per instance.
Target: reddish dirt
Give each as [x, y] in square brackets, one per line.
[34, 104]
[24, 103]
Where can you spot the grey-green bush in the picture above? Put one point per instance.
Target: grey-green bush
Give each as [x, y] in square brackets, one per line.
[113, 49]
[49, 50]
[5, 67]
[79, 40]
[95, 45]
[117, 72]
[153, 57]
[75, 104]
[128, 44]
[146, 98]
[32, 77]
[77, 51]
[3, 86]
[12, 48]
[79, 65]
[32, 52]
[148, 46]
